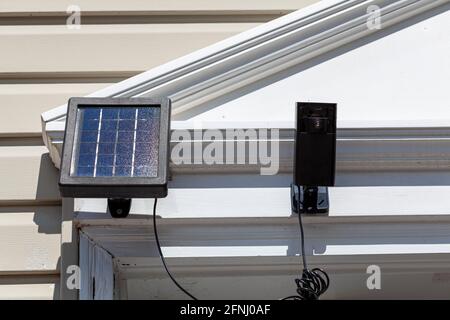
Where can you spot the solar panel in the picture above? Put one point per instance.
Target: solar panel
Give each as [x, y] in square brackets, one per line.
[117, 141]
[116, 148]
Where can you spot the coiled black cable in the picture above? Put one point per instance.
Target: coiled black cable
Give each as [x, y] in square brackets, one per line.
[310, 286]
[155, 231]
[313, 283]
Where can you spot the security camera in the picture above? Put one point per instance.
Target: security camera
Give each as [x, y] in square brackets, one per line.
[314, 156]
[314, 171]
[119, 207]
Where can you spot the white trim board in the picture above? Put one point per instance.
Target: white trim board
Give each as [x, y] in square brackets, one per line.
[211, 204]
[276, 239]
[256, 54]
[358, 149]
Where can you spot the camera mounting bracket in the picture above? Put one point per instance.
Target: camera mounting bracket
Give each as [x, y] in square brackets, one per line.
[310, 200]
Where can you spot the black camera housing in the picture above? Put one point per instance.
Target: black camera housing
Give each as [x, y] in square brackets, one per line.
[315, 144]
[314, 157]
[119, 207]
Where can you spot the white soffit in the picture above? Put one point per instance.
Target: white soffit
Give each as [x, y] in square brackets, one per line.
[257, 54]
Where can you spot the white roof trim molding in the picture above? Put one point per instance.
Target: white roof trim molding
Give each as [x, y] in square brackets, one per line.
[248, 57]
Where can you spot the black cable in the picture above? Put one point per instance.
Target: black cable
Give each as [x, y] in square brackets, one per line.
[313, 283]
[311, 286]
[302, 239]
[155, 230]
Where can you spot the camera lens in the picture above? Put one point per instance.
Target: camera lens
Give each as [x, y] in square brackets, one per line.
[316, 125]
[119, 208]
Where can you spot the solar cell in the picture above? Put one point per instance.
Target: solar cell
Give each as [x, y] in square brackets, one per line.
[117, 142]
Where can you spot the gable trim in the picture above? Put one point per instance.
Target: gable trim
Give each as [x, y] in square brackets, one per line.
[259, 52]
[256, 54]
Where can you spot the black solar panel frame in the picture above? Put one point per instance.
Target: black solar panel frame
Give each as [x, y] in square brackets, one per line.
[116, 186]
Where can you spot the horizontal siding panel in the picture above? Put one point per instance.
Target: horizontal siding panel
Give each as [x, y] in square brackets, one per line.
[27, 174]
[35, 287]
[21, 105]
[165, 6]
[40, 291]
[104, 48]
[30, 237]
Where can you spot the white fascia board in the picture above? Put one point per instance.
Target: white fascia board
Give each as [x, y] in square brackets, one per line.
[56, 128]
[242, 205]
[258, 53]
[372, 149]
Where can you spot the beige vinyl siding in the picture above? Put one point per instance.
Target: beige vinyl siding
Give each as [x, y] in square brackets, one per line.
[31, 99]
[29, 238]
[43, 63]
[28, 175]
[38, 65]
[105, 48]
[180, 7]
[30, 221]
[25, 286]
